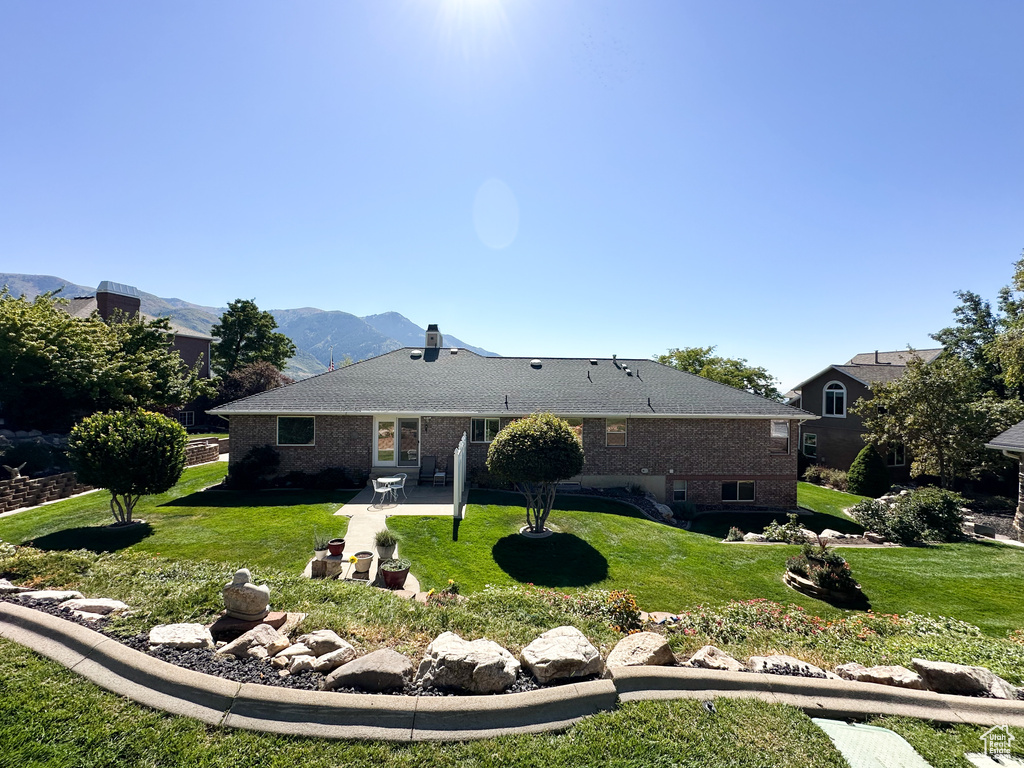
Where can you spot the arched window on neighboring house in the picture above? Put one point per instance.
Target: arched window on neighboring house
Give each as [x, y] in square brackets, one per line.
[835, 400]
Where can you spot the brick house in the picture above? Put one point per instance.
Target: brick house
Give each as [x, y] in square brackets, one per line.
[683, 437]
[834, 440]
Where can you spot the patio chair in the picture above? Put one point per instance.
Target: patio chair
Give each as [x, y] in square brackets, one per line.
[428, 464]
[383, 489]
[400, 486]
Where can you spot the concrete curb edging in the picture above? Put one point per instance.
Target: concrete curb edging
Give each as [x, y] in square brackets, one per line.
[216, 701]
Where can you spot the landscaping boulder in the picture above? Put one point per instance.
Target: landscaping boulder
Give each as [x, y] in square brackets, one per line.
[710, 657]
[88, 616]
[477, 666]
[100, 605]
[331, 661]
[325, 641]
[897, 676]
[301, 664]
[261, 636]
[780, 664]
[6, 588]
[830, 533]
[50, 595]
[297, 649]
[754, 537]
[641, 649]
[381, 670]
[874, 538]
[181, 636]
[562, 652]
[962, 680]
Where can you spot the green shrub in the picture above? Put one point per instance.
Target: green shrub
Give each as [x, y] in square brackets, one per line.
[254, 469]
[624, 612]
[735, 534]
[824, 567]
[683, 510]
[822, 475]
[38, 458]
[130, 453]
[868, 475]
[790, 532]
[925, 514]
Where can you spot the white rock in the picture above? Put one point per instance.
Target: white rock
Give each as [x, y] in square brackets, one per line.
[280, 662]
[298, 649]
[50, 595]
[563, 652]
[6, 588]
[962, 680]
[477, 666]
[754, 537]
[88, 616]
[261, 636]
[382, 670]
[181, 636]
[324, 641]
[331, 661]
[829, 533]
[100, 605]
[710, 657]
[897, 676]
[641, 649]
[258, 652]
[301, 664]
[780, 664]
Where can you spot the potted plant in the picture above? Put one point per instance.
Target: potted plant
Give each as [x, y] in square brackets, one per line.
[319, 545]
[363, 560]
[337, 546]
[395, 570]
[386, 541]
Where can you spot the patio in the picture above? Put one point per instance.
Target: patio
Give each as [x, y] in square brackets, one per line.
[418, 500]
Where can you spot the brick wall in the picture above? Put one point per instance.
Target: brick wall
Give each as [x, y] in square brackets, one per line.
[200, 452]
[26, 492]
[341, 441]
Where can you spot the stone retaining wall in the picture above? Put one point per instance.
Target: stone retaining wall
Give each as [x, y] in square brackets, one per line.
[201, 452]
[28, 492]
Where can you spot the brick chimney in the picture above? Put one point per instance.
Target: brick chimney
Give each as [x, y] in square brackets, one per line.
[113, 296]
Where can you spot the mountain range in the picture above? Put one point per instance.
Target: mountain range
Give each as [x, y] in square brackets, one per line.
[313, 331]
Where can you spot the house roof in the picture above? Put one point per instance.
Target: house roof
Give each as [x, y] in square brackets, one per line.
[457, 381]
[1010, 440]
[84, 306]
[863, 368]
[899, 357]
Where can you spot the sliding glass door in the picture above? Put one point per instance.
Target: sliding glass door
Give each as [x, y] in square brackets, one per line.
[397, 442]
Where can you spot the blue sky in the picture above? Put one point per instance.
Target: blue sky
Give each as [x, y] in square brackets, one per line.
[794, 182]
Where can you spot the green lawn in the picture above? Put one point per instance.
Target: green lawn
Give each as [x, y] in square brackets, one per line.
[600, 543]
[258, 529]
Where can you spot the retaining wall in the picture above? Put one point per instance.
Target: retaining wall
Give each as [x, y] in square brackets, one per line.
[28, 492]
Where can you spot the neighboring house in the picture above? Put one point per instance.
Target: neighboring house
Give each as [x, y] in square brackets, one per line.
[191, 346]
[1011, 443]
[835, 439]
[683, 437]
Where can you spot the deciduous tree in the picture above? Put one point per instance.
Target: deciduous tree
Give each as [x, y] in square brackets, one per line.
[736, 372]
[247, 336]
[536, 453]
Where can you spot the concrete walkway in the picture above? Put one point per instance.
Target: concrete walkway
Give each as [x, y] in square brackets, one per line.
[365, 519]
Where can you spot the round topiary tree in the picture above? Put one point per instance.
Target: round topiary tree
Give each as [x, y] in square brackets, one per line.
[130, 453]
[868, 475]
[535, 453]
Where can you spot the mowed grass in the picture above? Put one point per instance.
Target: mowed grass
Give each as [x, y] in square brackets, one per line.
[600, 543]
[256, 529]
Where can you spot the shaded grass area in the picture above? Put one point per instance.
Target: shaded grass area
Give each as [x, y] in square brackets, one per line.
[825, 500]
[600, 543]
[256, 529]
[77, 723]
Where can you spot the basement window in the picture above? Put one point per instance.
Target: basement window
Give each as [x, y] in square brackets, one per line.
[296, 430]
[738, 490]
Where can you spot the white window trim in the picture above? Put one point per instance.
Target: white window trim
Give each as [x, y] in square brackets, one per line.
[771, 437]
[484, 419]
[892, 452]
[187, 418]
[295, 445]
[738, 500]
[803, 445]
[685, 491]
[625, 434]
[824, 400]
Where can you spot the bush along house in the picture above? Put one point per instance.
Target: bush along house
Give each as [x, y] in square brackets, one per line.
[682, 437]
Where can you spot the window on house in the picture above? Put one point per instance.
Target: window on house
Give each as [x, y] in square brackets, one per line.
[187, 418]
[484, 430]
[295, 430]
[615, 431]
[738, 490]
[678, 490]
[779, 442]
[896, 456]
[576, 425]
[835, 400]
[810, 445]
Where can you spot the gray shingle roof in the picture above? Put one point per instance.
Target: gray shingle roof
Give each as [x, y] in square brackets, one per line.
[899, 357]
[1010, 440]
[873, 374]
[466, 383]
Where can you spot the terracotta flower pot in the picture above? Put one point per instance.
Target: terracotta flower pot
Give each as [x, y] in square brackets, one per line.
[336, 546]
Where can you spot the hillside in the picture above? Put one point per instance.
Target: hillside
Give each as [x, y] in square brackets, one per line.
[314, 331]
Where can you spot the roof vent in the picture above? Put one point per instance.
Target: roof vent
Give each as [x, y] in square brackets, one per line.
[593, 361]
[416, 354]
[535, 363]
[434, 338]
[455, 350]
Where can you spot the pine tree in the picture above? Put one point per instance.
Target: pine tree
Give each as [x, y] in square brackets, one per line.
[868, 475]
